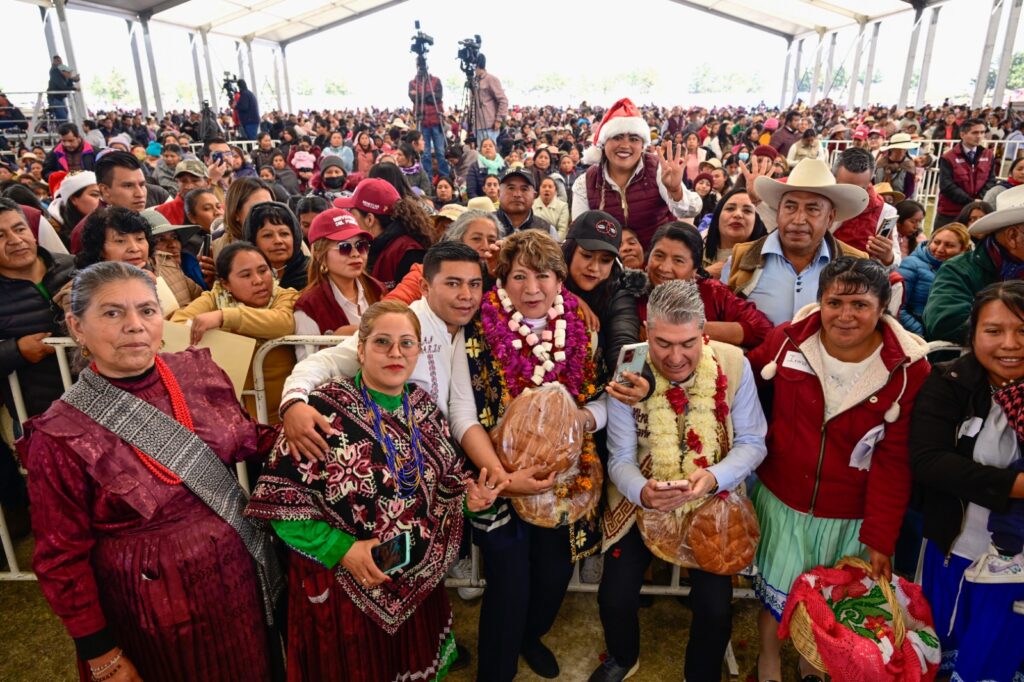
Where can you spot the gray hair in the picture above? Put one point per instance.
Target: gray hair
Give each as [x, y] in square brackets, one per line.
[89, 280]
[11, 205]
[457, 230]
[676, 302]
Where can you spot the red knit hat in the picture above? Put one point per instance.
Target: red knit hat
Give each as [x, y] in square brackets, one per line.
[766, 150]
[702, 176]
[622, 118]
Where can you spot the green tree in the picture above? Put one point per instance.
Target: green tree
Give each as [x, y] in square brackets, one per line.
[641, 80]
[1015, 79]
[336, 87]
[549, 83]
[112, 88]
[304, 87]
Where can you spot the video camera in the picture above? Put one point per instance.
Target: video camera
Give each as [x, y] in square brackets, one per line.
[469, 52]
[230, 86]
[421, 42]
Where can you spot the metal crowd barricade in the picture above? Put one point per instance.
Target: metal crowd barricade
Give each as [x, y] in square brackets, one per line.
[927, 189]
[38, 101]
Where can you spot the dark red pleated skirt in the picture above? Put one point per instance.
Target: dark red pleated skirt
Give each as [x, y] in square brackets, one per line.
[331, 640]
[182, 598]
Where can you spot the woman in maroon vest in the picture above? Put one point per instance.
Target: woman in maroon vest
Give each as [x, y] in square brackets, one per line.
[339, 292]
[641, 190]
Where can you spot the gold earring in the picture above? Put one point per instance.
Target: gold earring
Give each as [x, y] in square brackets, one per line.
[85, 352]
[323, 268]
[162, 344]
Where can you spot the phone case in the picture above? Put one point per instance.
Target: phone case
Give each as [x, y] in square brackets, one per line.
[393, 555]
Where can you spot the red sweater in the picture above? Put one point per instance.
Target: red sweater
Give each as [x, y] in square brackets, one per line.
[808, 463]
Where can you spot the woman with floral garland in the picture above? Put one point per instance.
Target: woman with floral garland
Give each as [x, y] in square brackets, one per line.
[836, 481]
[530, 334]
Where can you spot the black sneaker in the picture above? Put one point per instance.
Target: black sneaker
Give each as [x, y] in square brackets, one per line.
[540, 659]
[611, 671]
[462, 658]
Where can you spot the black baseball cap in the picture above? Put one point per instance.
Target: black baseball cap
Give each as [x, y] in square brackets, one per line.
[519, 172]
[596, 231]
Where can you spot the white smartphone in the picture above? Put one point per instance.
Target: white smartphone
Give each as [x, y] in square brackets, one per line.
[887, 227]
[631, 359]
[681, 484]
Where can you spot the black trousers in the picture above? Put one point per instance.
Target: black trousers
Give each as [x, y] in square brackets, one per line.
[619, 601]
[528, 570]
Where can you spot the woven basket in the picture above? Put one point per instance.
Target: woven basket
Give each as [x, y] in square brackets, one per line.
[802, 633]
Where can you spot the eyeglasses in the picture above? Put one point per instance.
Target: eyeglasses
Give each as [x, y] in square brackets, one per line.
[383, 344]
[362, 247]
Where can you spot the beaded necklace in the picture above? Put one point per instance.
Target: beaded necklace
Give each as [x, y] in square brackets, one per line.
[181, 414]
[407, 469]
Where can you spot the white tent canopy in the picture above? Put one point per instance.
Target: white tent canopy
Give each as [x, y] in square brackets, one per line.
[806, 25]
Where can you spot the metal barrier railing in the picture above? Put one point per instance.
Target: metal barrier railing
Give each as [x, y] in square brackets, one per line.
[927, 188]
[38, 101]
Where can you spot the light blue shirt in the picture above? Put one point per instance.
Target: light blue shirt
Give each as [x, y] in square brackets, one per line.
[778, 278]
[747, 453]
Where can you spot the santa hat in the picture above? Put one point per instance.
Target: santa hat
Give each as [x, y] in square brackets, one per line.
[622, 118]
[69, 186]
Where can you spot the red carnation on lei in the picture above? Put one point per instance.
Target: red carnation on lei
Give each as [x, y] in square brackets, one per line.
[693, 442]
[677, 399]
[702, 462]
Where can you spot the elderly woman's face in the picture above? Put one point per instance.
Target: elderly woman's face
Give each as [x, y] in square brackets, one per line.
[168, 243]
[250, 280]
[481, 234]
[532, 292]
[389, 353]
[132, 248]
[998, 343]
[122, 328]
[849, 319]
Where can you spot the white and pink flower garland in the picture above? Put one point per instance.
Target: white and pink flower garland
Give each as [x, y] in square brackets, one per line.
[556, 355]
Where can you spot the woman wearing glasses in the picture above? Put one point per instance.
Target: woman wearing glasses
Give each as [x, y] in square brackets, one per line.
[391, 476]
[338, 292]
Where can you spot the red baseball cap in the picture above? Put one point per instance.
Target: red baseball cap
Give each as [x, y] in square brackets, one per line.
[337, 225]
[372, 195]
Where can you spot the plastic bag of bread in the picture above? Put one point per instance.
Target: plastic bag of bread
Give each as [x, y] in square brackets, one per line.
[664, 533]
[539, 427]
[575, 493]
[720, 536]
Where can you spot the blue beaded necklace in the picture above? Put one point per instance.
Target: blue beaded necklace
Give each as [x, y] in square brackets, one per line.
[407, 470]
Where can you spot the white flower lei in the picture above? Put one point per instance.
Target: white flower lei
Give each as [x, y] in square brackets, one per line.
[548, 346]
[667, 430]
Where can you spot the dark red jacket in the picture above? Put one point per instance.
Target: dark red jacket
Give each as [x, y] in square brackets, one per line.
[426, 96]
[392, 262]
[322, 307]
[173, 210]
[642, 209]
[960, 181]
[858, 230]
[808, 463]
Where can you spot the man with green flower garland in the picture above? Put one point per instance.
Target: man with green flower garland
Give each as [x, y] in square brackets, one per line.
[701, 431]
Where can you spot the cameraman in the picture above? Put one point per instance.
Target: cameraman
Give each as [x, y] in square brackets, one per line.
[62, 80]
[491, 103]
[426, 94]
[247, 110]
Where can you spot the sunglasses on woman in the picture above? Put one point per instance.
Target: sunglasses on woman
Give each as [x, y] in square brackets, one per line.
[362, 247]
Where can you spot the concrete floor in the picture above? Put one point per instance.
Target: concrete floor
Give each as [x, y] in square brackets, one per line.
[35, 648]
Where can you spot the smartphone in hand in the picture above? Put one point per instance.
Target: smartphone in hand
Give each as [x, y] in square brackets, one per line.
[631, 359]
[393, 555]
[681, 484]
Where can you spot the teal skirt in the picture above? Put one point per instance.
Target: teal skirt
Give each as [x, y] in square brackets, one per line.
[793, 543]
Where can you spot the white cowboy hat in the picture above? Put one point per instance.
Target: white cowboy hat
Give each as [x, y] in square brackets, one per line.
[900, 141]
[1009, 211]
[813, 175]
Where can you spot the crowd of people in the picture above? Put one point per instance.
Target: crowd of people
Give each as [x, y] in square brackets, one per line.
[787, 298]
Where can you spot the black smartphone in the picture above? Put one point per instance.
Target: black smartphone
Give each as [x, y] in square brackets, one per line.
[218, 156]
[393, 555]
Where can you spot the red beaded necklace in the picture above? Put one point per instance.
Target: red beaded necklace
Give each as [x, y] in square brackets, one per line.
[181, 413]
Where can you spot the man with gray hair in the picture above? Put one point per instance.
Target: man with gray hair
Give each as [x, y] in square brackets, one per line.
[871, 229]
[694, 436]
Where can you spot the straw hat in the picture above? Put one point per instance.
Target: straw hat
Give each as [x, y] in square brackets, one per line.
[813, 175]
[481, 204]
[1009, 211]
[885, 189]
[900, 141]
